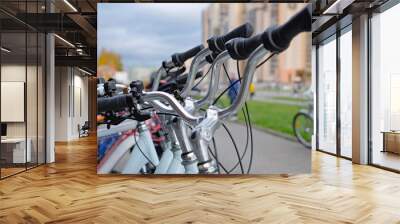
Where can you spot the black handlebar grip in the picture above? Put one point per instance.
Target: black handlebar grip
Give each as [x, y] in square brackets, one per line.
[211, 57]
[217, 43]
[179, 58]
[278, 38]
[179, 81]
[168, 64]
[168, 87]
[114, 103]
[241, 48]
[174, 74]
[183, 78]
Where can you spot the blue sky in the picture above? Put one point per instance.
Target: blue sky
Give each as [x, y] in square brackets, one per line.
[145, 34]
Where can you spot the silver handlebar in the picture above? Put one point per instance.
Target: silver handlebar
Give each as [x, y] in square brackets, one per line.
[213, 84]
[156, 82]
[197, 63]
[174, 106]
[155, 98]
[251, 65]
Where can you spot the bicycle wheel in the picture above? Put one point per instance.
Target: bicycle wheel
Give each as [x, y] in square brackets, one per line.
[303, 128]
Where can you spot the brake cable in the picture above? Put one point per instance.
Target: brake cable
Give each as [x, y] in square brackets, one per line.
[240, 158]
[230, 86]
[250, 127]
[137, 144]
[202, 78]
[235, 146]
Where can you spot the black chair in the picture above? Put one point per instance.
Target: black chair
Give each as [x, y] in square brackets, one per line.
[84, 129]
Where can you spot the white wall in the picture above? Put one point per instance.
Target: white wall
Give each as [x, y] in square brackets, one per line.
[33, 125]
[71, 102]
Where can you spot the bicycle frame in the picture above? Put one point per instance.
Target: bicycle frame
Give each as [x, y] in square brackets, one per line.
[142, 152]
[170, 161]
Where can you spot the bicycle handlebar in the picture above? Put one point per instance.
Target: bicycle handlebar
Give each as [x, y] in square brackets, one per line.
[114, 103]
[241, 48]
[250, 68]
[180, 58]
[179, 82]
[274, 39]
[213, 84]
[217, 43]
[197, 62]
[175, 106]
[278, 38]
[183, 78]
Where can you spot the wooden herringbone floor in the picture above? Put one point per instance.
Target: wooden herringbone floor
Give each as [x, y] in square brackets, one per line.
[69, 191]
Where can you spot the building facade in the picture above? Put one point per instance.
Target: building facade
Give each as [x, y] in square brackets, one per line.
[292, 66]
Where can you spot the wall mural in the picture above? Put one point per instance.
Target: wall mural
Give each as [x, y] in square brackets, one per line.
[200, 91]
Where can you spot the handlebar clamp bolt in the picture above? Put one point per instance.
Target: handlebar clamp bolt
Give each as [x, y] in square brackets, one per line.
[137, 88]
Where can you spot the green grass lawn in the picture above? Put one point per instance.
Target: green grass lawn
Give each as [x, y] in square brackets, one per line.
[288, 98]
[274, 116]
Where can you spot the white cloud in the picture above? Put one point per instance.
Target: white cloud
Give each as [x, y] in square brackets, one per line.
[145, 34]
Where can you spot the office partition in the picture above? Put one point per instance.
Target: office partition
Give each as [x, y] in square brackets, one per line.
[22, 78]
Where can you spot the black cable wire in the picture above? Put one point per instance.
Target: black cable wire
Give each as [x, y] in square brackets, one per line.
[246, 118]
[227, 130]
[202, 78]
[137, 144]
[249, 120]
[244, 152]
[218, 162]
[251, 142]
[248, 125]
[232, 84]
[269, 56]
[235, 146]
[170, 114]
[223, 92]
[240, 158]
[216, 157]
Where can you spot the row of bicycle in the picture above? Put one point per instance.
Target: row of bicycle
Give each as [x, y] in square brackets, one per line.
[163, 129]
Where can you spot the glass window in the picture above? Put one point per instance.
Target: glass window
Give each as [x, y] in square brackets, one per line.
[346, 94]
[327, 96]
[22, 92]
[14, 153]
[385, 89]
[31, 96]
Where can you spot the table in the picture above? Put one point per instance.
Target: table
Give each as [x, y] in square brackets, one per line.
[16, 147]
[391, 141]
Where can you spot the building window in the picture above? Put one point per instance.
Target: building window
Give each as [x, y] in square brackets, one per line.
[346, 94]
[327, 96]
[385, 89]
[22, 106]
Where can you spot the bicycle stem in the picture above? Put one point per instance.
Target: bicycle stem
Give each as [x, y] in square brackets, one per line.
[174, 106]
[189, 159]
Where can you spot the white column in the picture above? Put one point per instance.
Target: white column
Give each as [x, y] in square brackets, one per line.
[50, 92]
[50, 98]
[360, 90]
[314, 89]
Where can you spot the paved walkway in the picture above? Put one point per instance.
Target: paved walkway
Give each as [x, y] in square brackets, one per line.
[272, 154]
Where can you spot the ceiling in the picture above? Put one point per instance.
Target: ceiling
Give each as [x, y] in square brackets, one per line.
[73, 21]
